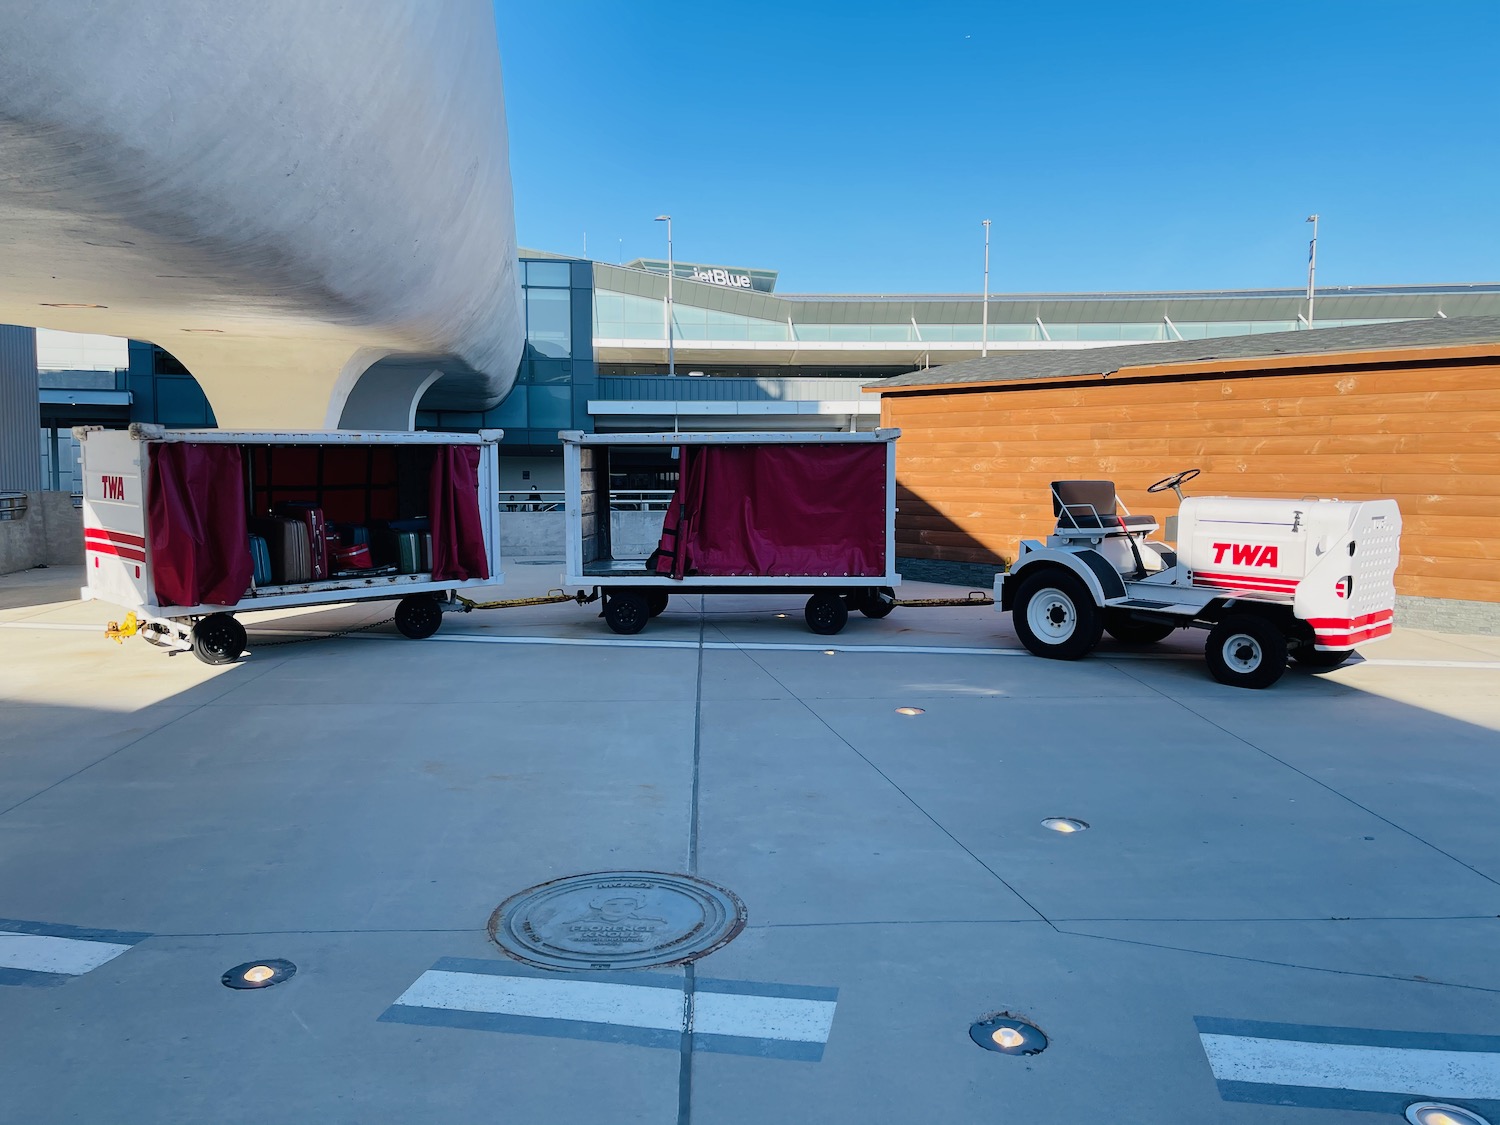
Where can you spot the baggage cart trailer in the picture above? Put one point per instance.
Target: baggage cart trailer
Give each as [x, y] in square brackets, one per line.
[752, 513]
[169, 519]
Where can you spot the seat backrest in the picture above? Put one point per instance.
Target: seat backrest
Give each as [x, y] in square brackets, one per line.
[1083, 503]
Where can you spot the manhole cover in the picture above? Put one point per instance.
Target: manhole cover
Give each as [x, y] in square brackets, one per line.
[616, 920]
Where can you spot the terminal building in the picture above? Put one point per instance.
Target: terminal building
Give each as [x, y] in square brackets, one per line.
[600, 354]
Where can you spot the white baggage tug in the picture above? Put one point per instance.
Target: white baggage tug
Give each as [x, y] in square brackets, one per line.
[1268, 579]
[223, 480]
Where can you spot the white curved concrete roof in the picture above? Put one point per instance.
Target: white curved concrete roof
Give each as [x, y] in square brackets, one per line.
[281, 194]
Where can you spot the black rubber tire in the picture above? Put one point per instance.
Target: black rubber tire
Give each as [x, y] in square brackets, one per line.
[626, 612]
[1246, 651]
[826, 614]
[1127, 630]
[218, 639]
[418, 616]
[877, 603]
[1318, 661]
[656, 602]
[1076, 620]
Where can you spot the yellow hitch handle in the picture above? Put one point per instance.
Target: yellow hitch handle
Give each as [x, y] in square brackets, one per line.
[117, 631]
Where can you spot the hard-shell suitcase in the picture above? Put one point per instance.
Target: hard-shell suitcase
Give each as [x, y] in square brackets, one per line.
[426, 550]
[312, 516]
[409, 553]
[356, 556]
[260, 558]
[291, 550]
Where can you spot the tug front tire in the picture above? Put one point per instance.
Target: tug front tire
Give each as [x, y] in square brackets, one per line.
[218, 639]
[1055, 616]
[1246, 651]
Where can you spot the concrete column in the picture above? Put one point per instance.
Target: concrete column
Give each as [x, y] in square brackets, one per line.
[20, 412]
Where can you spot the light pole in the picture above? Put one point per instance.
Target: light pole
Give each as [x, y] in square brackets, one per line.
[1312, 267]
[984, 331]
[671, 270]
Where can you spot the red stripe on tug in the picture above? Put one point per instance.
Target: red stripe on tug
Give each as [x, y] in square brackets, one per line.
[1346, 632]
[1260, 584]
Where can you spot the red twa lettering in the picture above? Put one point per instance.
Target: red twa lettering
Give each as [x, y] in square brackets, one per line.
[1247, 554]
[112, 488]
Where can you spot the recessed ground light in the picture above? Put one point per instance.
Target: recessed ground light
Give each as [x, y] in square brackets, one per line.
[220, 331]
[1436, 1113]
[69, 305]
[910, 711]
[1064, 824]
[781, 615]
[828, 652]
[258, 974]
[1008, 1035]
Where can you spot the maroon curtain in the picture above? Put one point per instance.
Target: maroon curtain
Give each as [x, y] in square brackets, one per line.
[763, 510]
[200, 551]
[457, 530]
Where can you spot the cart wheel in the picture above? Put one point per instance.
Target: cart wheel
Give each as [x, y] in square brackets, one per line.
[626, 612]
[1246, 651]
[1055, 615]
[877, 603]
[218, 639]
[656, 602]
[1319, 661]
[418, 616]
[1125, 629]
[826, 614]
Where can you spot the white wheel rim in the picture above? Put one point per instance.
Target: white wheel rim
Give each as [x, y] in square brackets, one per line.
[1243, 653]
[1052, 615]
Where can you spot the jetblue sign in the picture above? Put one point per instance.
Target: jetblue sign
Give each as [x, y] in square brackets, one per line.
[717, 275]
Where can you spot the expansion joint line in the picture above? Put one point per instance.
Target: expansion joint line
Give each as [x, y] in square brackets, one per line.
[891, 782]
[689, 977]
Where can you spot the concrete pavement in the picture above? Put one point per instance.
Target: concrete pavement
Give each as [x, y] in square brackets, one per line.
[1322, 855]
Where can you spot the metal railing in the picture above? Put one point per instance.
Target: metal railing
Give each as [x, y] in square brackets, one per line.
[12, 505]
[620, 500]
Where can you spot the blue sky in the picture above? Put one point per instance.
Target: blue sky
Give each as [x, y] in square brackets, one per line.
[1115, 146]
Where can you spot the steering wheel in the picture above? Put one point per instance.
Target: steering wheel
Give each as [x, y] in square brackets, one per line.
[1174, 481]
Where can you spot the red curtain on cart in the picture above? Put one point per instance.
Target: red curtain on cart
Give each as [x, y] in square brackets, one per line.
[777, 510]
[457, 530]
[200, 552]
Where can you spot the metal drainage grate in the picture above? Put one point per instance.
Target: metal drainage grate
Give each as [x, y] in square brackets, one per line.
[1008, 1035]
[617, 920]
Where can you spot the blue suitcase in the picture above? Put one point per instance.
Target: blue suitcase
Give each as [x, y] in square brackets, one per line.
[260, 557]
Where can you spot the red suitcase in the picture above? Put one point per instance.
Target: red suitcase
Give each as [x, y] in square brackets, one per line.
[312, 517]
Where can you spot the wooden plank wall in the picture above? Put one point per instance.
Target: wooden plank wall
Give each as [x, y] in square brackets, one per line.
[973, 466]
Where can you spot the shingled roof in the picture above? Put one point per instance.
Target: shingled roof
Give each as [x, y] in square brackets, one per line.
[1061, 364]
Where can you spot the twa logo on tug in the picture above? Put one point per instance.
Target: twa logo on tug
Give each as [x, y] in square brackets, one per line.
[1246, 554]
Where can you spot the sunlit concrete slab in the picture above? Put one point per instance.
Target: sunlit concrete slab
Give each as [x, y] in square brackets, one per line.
[1318, 855]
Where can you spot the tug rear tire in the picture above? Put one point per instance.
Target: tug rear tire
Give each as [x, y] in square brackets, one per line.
[1055, 615]
[1246, 651]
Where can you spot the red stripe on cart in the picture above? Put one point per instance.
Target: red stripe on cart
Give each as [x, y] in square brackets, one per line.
[116, 549]
[114, 536]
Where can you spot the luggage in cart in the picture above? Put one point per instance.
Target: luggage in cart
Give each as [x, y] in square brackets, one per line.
[751, 513]
[187, 528]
